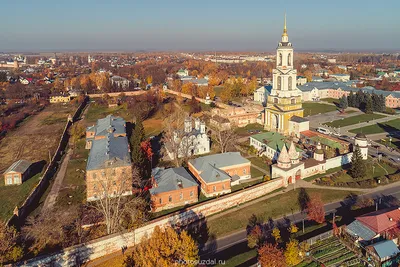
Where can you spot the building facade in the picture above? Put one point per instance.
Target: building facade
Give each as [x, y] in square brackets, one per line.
[109, 166]
[171, 188]
[17, 173]
[285, 99]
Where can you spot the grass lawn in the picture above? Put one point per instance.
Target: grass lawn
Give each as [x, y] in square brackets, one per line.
[274, 207]
[316, 108]
[14, 195]
[239, 259]
[218, 90]
[259, 162]
[97, 111]
[381, 169]
[331, 100]
[250, 127]
[73, 189]
[389, 126]
[354, 120]
[395, 143]
[255, 172]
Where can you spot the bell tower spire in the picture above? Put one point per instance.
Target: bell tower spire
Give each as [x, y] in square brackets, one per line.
[285, 37]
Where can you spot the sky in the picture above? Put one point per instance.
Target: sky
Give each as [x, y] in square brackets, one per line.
[201, 25]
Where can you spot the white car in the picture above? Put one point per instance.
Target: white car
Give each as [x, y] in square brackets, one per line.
[323, 130]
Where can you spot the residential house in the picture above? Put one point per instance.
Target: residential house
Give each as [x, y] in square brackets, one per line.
[300, 80]
[262, 93]
[171, 188]
[60, 98]
[120, 82]
[240, 116]
[216, 173]
[109, 166]
[340, 77]
[18, 172]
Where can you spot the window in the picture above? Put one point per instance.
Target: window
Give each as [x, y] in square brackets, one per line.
[113, 172]
[244, 171]
[279, 82]
[94, 176]
[191, 193]
[17, 180]
[275, 100]
[170, 198]
[289, 59]
[293, 101]
[95, 187]
[160, 200]
[114, 183]
[9, 179]
[223, 187]
[290, 83]
[181, 196]
[214, 188]
[280, 59]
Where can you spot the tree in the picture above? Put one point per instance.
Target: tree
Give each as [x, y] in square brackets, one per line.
[225, 138]
[165, 248]
[308, 75]
[358, 168]
[113, 203]
[343, 104]
[271, 256]
[369, 108]
[351, 99]
[293, 229]
[255, 238]
[176, 141]
[226, 93]
[194, 105]
[315, 209]
[149, 79]
[10, 251]
[292, 253]
[138, 136]
[276, 233]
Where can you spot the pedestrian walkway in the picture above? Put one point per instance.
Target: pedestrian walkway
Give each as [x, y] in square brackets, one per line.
[52, 197]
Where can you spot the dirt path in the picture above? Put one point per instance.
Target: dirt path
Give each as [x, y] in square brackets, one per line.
[52, 197]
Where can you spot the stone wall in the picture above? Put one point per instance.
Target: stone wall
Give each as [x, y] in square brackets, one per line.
[338, 161]
[51, 169]
[113, 243]
[128, 93]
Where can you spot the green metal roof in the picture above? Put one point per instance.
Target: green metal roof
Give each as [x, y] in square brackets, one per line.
[273, 140]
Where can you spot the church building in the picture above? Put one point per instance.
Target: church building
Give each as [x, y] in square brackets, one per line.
[284, 101]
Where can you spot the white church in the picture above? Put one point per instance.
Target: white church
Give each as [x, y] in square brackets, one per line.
[194, 139]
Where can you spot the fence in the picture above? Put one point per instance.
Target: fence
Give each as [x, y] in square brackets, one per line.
[51, 169]
[319, 237]
[113, 243]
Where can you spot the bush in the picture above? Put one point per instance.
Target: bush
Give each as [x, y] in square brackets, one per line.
[394, 177]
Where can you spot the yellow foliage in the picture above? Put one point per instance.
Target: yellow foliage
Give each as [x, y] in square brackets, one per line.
[292, 253]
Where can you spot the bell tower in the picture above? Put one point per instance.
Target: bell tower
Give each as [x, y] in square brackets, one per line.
[285, 98]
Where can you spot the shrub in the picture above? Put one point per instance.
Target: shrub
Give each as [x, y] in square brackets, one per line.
[394, 177]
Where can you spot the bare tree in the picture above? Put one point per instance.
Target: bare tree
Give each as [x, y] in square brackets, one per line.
[113, 197]
[9, 248]
[225, 138]
[179, 143]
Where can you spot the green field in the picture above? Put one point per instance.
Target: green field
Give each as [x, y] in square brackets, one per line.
[331, 100]
[15, 195]
[275, 207]
[97, 111]
[311, 108]
[250, 127]
[259, 162]
[379, 170]
[354, 120]
[255, 172]
[389, 126]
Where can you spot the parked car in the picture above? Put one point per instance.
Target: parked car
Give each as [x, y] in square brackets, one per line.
[323, 130]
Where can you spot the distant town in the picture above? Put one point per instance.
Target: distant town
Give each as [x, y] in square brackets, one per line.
[203, 158]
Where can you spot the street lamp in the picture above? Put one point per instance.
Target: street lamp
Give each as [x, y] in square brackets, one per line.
[373, 169]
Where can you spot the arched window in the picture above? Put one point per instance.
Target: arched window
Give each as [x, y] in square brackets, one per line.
[293, 101]
[279, 82]
[275, 100]
[289, 59]
[280, 59]
[290, 83]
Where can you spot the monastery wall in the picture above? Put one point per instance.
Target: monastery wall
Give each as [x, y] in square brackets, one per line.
[76, 255]
[338, 161]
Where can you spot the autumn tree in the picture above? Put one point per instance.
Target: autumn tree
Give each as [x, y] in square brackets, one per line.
[271, 256]
[226, 93]
[149, 79]
[276, 233]
[138, 136]
[255, 237]
[315, 208]
[10, 251]
[292, 253]
[308, 75]
[293, 229]
[165, 247]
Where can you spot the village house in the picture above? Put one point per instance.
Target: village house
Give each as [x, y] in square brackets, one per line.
[18, 172]
[216, 173]
[109, 166]
[171, 188]
[60, 98]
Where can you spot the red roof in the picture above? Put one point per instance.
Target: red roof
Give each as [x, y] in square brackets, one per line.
[381, 220]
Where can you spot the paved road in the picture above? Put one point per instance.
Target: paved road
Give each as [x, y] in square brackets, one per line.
[239, 237]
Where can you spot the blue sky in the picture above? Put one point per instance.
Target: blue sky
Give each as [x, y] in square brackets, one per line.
[42, 25]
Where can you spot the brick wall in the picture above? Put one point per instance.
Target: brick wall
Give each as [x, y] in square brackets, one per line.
[113, 243]
[176, 200]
